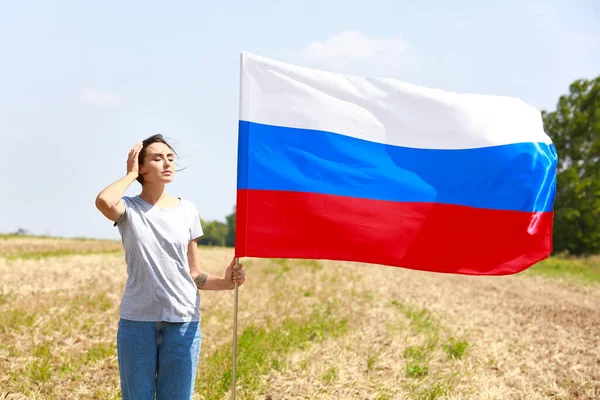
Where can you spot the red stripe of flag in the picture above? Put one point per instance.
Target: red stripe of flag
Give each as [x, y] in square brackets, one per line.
[422, 236]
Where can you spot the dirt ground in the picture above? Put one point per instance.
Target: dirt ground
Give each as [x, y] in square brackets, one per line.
[525, 337]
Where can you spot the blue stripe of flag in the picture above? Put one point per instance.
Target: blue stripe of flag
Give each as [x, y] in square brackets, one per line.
[518, 177]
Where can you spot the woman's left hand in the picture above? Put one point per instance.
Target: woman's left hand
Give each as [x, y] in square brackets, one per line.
[235, 274]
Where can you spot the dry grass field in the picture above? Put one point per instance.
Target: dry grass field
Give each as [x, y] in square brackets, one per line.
[309, 330]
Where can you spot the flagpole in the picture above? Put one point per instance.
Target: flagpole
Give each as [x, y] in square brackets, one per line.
[237, 260]
[234, 352]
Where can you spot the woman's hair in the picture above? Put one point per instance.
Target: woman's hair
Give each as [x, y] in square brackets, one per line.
[158, 138]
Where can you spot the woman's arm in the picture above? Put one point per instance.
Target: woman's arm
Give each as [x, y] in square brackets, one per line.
[205, 281]
[109, 200]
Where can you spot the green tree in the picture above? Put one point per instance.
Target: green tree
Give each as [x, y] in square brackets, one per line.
[214, 233]
[230, 238]
[575, 130]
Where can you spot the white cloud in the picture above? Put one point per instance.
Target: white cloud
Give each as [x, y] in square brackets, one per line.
[352, 46]
[101, 99]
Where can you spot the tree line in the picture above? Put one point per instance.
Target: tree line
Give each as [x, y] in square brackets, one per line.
[574, 128]
[217, 233]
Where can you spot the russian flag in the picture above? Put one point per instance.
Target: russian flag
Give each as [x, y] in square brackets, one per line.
[374, 170]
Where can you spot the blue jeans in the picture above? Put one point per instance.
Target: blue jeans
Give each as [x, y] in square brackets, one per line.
[158, 358]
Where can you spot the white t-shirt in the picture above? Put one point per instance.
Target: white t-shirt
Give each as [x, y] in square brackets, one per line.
[159, 285]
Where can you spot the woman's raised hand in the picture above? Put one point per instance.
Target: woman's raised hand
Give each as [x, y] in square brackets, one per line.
[132, 161]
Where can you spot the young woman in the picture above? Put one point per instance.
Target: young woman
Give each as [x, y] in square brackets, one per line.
[159, 333]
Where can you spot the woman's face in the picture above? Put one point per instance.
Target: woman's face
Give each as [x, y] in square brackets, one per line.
[158, 164]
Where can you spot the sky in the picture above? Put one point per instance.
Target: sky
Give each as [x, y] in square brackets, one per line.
[82, 82]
